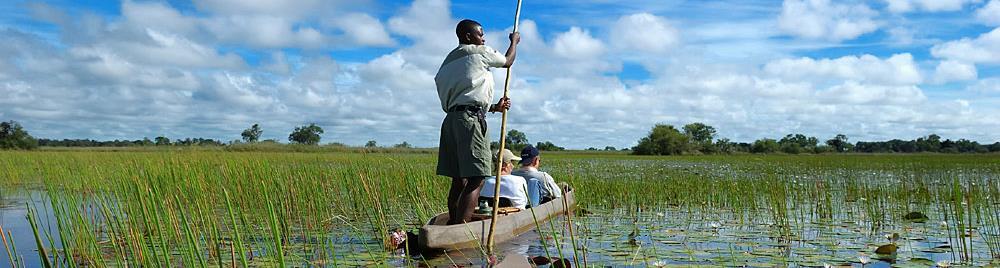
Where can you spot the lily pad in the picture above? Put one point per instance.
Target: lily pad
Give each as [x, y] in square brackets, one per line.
[915, 217]
[886, 249]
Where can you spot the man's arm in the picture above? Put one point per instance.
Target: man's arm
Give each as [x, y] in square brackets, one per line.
[511, 54]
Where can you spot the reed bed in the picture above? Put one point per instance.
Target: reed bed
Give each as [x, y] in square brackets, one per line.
[240, 209]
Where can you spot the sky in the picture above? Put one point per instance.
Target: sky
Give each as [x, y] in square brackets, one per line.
[589, 73]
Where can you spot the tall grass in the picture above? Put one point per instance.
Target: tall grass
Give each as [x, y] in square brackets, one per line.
[218, 208]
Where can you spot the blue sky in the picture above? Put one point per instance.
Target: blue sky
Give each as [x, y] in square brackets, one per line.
[589, 74]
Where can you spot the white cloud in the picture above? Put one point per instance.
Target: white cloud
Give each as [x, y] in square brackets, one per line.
[988, 85]
[577, 44]
[644, 32]
[820, 19]
[856, 93]
[430, 25]
[172, 76]
[949, 70]
[263, 31]
[898, 69]
[363, 29]
[178, 51]
[902, 6]
[298, 9]
[983, 49]
[901, 36]
[157, 16]
[989, 14]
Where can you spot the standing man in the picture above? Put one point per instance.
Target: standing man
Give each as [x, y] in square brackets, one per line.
[465, 86]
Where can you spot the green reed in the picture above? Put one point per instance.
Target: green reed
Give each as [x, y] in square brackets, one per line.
[200, 208]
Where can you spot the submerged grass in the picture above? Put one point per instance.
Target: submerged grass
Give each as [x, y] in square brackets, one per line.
[215, 208]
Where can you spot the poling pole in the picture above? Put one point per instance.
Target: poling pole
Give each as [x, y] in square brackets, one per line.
[503, 137]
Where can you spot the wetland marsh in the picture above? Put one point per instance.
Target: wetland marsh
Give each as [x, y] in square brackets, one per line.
[204, 208]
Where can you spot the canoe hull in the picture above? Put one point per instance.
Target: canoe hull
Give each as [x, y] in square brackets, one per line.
[436, 236]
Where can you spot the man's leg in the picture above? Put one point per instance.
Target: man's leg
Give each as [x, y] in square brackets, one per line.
[457, 186]
[470, 196]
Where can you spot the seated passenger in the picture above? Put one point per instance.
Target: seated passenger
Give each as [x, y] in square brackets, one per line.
[530, 161]
[511, 187]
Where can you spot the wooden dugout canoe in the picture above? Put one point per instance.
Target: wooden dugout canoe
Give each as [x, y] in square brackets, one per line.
[436, 235]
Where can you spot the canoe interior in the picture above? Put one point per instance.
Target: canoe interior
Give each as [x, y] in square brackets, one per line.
[437, 235]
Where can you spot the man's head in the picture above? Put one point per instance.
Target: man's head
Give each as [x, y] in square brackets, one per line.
[508, 161]
[470, 32]
[530, 156]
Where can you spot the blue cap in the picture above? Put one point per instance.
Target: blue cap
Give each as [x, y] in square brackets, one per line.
[528, 154]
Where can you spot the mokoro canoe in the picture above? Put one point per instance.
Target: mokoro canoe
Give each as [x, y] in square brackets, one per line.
[436, 235]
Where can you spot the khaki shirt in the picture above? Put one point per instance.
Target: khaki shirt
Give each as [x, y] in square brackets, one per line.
[465, 78]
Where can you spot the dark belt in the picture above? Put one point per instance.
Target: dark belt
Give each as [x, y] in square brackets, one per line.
[471, 108]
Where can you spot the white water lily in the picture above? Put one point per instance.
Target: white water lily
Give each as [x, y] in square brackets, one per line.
[864, 259]
[827, 265]
[943, 263]
[659, 264]
[715, 225]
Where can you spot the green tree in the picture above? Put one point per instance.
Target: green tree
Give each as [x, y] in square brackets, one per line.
[798, 143]
[764, 146]
[516, 140]
[252, 134]
[548, 146]
[700, 135]
[839, 143]
[162, 141]
[725, 146]
[13, 136]
[371, 144]
[663, 139]
[610, 148]
[306, 134]
[931, 143]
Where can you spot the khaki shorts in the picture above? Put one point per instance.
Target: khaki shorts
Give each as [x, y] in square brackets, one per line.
[464, 150]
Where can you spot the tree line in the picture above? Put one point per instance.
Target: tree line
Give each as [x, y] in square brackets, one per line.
[13, 136]
[699, 138]
[663, 139]
[516, 141]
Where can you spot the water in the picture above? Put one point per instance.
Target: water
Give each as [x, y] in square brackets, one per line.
[13, 219]
[665, 236]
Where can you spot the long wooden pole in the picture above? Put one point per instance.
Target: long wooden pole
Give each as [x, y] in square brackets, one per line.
[503, 137]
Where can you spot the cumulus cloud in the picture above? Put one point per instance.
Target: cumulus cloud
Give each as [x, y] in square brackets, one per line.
[821, 19]
[988, 85]
[898, 69]
[158, 17]
[901, 6]
[577, 43]
[856, 93]
[171, 73]
[982, 49]
[989, 14]
[949, 70]
[644, 32]
[363, 29]
[264, 31]
[301, 8]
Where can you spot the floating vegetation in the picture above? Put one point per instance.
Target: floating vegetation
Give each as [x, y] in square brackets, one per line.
[200, 209]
